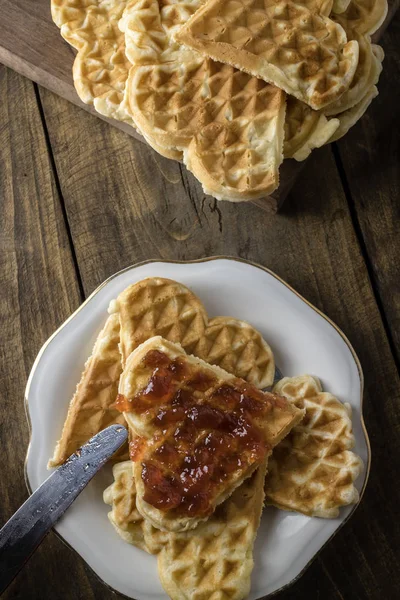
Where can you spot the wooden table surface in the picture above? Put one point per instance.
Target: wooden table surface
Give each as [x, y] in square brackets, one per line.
[80, 200]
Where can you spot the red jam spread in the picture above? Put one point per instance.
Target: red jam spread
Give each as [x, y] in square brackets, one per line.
[205, 432]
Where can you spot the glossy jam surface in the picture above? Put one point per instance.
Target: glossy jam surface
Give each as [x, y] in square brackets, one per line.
[207, 433]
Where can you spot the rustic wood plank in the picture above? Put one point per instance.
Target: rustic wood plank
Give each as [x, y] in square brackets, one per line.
[132, 213]
[370, 155]
[31, 44]
[38, 290]
[125, 203]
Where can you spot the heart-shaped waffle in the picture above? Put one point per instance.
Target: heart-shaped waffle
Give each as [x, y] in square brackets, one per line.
[159, 306]
[151, 307]
[290, 44]
[368, 69]
[238, 348]
[306, 129]
[313, 470]
[216, 558]
[101, 67]
[198, 432]
[228, 124]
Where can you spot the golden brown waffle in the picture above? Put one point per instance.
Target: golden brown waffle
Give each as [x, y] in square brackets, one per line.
[313, 470]
[151, 307]
[101, 67]
[157, 306]
[187, 105]
[238, 348]
[367, 74]
[206, 407]
[287, 43]
[124, 516]
[305, 129]
[149, 26]
[213, 560]
[364, 16]
[350, 117]
[91, 409]
[228, 124]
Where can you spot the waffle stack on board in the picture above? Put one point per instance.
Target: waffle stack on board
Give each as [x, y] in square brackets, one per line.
[207, 447]
[230, 87]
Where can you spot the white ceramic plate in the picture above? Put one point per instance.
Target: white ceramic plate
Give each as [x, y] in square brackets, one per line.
[303, 341]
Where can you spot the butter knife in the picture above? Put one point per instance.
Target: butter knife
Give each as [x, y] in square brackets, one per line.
[23, 533]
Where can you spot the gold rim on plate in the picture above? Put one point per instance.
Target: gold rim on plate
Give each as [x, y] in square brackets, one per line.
[185, 262]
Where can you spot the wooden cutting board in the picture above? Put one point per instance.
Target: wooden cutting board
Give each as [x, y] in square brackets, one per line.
[31, 44]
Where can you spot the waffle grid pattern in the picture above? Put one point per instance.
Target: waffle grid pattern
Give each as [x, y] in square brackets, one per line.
[162, 440]
[298, 49]
[101, 67]
[234, 158]
[91, 408]
[159, 307]
[238, 348]
[186, 102]
[214, 561]
[313, 469]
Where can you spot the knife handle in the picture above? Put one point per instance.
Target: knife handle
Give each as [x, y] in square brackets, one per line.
[22, 534]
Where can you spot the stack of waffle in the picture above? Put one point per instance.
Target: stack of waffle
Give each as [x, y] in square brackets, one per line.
[207, 447]
[229, 87]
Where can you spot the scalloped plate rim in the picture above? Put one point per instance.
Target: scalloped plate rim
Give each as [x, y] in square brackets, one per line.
[41, 353]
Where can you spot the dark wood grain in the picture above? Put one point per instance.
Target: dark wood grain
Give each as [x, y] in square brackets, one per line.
[38, 290]
[31, 44]
[370, 156]
[125, 203]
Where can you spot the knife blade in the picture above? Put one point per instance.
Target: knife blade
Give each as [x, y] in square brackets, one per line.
[23, 533]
